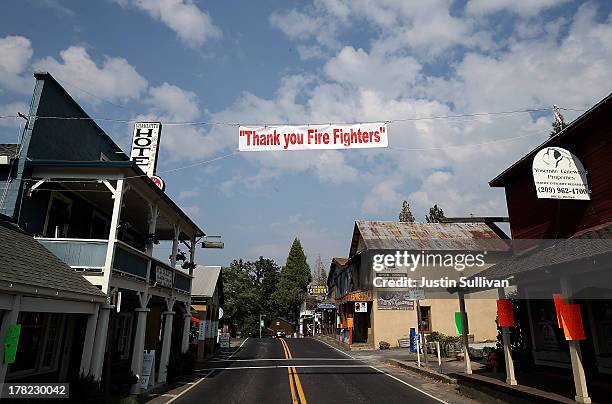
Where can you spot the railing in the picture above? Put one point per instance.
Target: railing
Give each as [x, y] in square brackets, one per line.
[81, 254]
[90, 255]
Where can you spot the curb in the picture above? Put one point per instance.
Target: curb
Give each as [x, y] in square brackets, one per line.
[423, 371]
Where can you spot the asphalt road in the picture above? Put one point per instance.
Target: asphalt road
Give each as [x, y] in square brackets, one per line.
[298, 371]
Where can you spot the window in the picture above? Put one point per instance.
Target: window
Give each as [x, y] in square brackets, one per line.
[425, 318]
[58, 216]
[123, 334]
[39, 343]
[99, 226]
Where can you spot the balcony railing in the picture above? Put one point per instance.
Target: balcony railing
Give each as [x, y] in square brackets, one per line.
[89, 256]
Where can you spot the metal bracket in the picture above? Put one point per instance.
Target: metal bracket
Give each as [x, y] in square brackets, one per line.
[38, 184]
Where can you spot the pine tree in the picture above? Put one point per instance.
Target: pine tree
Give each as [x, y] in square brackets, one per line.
[436, 215]
[405, 214]
[293, 282]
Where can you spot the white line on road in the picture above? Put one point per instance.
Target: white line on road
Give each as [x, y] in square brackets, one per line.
[387, 374]
[239, 348]
[188, 388]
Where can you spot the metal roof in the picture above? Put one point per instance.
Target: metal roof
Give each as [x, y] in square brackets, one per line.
[205, 280]
[425, 236]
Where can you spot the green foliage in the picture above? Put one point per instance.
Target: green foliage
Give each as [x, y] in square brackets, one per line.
[436, 214]
[445, 341]
[293, 282]
[241, 306]
[405, 214]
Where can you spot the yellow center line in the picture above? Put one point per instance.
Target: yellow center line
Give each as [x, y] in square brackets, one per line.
[288, 356]
[293, 372]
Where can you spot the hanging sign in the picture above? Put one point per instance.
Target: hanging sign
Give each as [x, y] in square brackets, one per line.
[159, 182]
[224, 339]
[309, 137]
[572, 322]
[559, 302]
[558, 174]
[361, 307]
[319, 290]
[163, 277]
[505, 316]
[459, 323]
[11, 341]
[145, 146]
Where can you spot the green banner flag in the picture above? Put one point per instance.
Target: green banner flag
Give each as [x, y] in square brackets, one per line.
[458, 323]
[11, 341]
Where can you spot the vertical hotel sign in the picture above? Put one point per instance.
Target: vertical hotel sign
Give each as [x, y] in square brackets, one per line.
[145, 146]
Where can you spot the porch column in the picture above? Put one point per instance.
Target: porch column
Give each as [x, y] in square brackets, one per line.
[582, 394]
[139, 338]
[117, 192]
[510, 378]
[9, 318]
[165, 352]
[97, 359]
[464, 334]
[186, 329]
[88, 343]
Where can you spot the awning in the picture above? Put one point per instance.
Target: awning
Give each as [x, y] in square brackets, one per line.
[198, 307]
[195, 320]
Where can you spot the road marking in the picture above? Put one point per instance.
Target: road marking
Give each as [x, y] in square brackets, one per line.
[188, 388]
[387, 374]
[282, 367]
[281, 359]
[293, 376]
[239, 348]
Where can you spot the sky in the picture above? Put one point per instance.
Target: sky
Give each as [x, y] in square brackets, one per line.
[264, 62]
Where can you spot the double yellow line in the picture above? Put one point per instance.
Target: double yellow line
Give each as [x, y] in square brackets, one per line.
[294, 379]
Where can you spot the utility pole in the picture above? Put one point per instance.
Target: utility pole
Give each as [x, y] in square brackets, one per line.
[259, 325]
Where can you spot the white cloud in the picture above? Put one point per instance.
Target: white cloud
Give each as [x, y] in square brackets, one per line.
[522, 7]
[16, 52]
[169, 99]
[11, 109]
[192, 24]
[188, 194]
[114, 79]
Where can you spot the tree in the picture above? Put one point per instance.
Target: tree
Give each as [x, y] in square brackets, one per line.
[319, 274]
[269, 275]
[436, 215]
[558, 123]
[293, 282]
[405, 214]
[241, 305]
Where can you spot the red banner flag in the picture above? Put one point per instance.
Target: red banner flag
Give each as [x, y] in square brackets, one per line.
[559, 302]
[572, 322]
[505, 316]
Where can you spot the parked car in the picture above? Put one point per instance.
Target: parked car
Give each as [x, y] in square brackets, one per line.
[280, 334]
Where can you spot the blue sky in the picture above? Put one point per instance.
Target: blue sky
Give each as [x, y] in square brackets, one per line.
[310, 62]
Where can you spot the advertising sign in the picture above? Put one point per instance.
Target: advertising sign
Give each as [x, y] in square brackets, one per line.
[224, 340]
[163, 277]
[394, 300]
[145, 146]
[349, 322]
[505, 315]
[558, 174]
[310, 137]
[416, 294]
[11, 341]
[361, 307]
[319, 290]
[148, 370]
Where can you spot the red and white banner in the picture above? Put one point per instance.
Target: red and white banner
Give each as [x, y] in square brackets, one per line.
[310, 137]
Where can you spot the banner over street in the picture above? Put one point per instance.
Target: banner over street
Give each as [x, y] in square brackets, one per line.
[311, 137]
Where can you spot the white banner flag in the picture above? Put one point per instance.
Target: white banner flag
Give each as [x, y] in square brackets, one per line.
[310, 137]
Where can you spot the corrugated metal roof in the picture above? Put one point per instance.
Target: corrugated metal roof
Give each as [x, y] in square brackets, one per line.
[425, 236]
[205, 280]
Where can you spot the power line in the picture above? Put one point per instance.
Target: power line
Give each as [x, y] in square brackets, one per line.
[218, 123]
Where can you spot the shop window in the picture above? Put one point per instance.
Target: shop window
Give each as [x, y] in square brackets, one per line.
[425, 318]
[58, 216]
[39, 344]
[548, 335]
